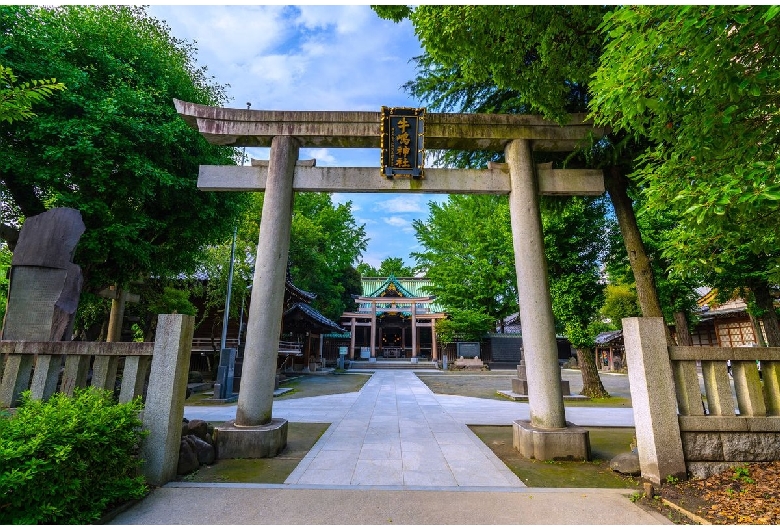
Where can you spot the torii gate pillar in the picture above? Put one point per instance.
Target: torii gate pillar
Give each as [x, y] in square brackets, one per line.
[255, 433]
[547, 435]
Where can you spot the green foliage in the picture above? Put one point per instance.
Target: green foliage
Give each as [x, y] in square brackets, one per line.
[574, 229]
[702, 85]
[742, 473]
[112, 144]
[396, 13]
[5, 267]
[464, 325]
[16, 100]
[468, 256]
[619, 302]
[394, 266]
[671, 479]
[325, 243]
[534, 51]
[67, 460]
[173, 301]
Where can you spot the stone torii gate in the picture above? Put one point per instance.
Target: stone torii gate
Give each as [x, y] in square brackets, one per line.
[254, 432]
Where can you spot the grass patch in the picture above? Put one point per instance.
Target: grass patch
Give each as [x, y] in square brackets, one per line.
[323, 385]
[614, 401]
[605, 443]
[301, 437]
[302, 385]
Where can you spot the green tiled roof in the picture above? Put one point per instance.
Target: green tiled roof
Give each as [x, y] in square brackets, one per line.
[411, 287]
[408, 287]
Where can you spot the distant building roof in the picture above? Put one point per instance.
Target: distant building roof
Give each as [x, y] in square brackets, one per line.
[607, 337]
[376, 287]
[303, 311]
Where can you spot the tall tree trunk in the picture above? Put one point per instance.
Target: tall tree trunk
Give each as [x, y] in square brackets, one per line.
[757, 330]
[765, 303]
[591, 382]
[681, 326]
[616, 184]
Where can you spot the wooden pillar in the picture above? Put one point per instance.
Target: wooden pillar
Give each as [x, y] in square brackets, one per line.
[434, 349]
[373, 330]
[116, 317]
[352, 338]
[414, 330]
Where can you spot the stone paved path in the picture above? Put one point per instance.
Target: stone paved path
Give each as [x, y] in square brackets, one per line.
[396, 433]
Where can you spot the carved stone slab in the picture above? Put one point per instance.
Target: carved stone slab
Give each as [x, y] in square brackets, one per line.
[49, 239]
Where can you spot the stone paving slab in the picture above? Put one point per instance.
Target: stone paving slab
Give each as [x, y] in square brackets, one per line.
[211, 504]
[389, 455]
[377, 435]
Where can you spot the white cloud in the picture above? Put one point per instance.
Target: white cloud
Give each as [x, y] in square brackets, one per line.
[399, 222]
[402, 204]
[323, 156]
[312, 58]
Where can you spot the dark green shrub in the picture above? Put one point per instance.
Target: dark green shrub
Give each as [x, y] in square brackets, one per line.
[67, 460]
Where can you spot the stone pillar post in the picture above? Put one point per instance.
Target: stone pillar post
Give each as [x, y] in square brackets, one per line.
[541, 350]
[255, 399]
[653, 399]
[164, 408]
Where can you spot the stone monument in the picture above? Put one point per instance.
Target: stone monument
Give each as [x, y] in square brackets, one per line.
[45, 284]
[44, 291]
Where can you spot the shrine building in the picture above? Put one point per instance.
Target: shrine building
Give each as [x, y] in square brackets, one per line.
[395, 318]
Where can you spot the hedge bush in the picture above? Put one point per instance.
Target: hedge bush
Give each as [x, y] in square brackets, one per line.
[67, 460]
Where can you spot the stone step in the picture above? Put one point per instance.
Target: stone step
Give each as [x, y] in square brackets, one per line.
[401, 364]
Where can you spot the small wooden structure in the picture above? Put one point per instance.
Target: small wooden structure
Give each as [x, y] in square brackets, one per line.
[610, 352]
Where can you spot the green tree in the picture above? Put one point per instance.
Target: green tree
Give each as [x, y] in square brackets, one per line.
[528, 59]
[16, 100]
[367, 270]
[468, 256]
[112, 145]
[390, 265]
[575, 245]
[701, 85]
[619, 303]
[325, 244]
[5, 266]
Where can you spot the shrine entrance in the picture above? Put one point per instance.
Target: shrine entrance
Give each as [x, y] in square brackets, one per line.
[524, 140]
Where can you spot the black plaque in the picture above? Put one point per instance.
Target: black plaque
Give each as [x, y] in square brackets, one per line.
[402, 134]
[468, 349]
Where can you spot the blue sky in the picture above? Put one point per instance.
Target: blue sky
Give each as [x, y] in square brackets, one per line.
[315, 57]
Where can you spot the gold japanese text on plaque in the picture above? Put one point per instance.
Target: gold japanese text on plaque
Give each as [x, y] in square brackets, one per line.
[402, 134]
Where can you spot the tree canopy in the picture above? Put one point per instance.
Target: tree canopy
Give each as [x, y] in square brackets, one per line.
[112, 145]
[16, 100]
[390, 265]
[702, 84]
[468, 256]
[325, 244]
